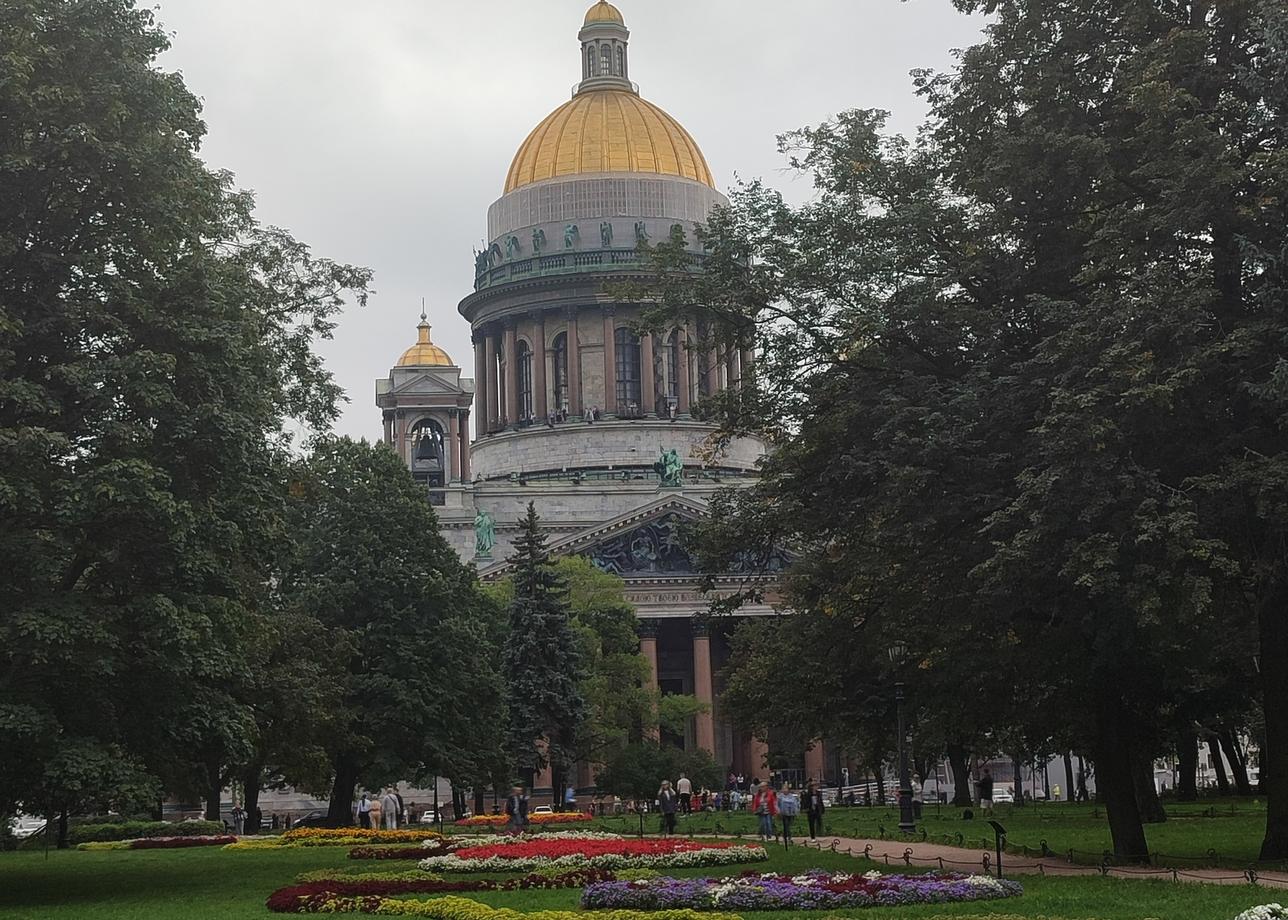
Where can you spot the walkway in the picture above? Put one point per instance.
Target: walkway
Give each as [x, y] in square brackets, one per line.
[914, 853]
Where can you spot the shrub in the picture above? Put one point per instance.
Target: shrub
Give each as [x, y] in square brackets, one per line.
[132, 830]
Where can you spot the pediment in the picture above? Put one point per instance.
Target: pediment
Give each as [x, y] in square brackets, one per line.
[426, 385]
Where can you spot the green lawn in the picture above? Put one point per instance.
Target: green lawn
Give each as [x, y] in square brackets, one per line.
[1190, 832]
[210, 884]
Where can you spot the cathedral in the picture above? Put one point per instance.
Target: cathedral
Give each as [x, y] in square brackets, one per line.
[571, 408]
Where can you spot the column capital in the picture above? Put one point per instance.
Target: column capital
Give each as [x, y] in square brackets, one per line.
[647, 629]
[700, 626]
[609, 309]
[571, 312]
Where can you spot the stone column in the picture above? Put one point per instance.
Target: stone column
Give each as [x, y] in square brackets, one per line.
[480, 381]
[685, 383]
[610, 362]
[815, 761]
[493, 397]
[647, 631]
[713, 371]
[748, 363]
[648, 378]
[703, 688]
[732, 373]
[465, 445]
[540, 406]
[400, 437]
[389, 428]
[508, 344]
[454, 445]
[574, 365]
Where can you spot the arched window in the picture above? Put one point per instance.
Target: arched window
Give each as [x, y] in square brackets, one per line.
[523, 358]
[605, 60]
[590, 61]
[673, 358]
[628, 368]
[429, 456]
[561, 371]
[621, 62]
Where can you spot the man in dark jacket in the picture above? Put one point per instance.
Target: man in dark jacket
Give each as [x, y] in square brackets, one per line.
[667, 802]
[516, 808]
[814, 807]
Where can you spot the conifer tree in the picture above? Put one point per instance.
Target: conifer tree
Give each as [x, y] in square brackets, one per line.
[541, 663]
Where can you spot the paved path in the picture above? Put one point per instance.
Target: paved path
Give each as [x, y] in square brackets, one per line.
[960, 859]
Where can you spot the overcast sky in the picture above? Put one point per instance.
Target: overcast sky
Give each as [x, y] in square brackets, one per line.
[379, 131]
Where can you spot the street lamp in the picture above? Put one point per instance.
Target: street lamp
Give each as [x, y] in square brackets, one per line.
[907, 823]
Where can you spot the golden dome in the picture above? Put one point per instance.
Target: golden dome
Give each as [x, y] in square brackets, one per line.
[607, 130]
[424, 353]
[603, 11]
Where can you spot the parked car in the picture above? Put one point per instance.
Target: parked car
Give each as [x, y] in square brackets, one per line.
[429, 817]
[312, 819]
[543, 810]
[1002, 794]
[25, 826]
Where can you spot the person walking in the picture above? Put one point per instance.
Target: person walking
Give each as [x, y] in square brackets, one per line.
[389, 810]
[985, 787]
[570, 799]
[789, 806]
[814, 808]
[667, 803]
[364, 811]
[765, 806]
[239, 820]
[685, 788]
[377, 809]
[516, 809]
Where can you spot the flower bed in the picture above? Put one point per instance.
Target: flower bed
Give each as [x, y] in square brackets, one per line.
[535, 853]
[159, 843]
[313, 897]
[428, 848]
[453, 908]
[352, 835]
[1265, 912]
[558, 817]
[809, 891]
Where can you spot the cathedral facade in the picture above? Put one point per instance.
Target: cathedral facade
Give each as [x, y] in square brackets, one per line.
[571, 407]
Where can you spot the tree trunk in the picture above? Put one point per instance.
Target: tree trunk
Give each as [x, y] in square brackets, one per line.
[1147, 800]
[1114, 785]
[556, 787]
[1187, 779]
[1238, 765]
[1070, 781]
[480, 804]
[880, 779]
[252, 776]
[1218, 765]
[339, 812]
[959, 761]
[214, 791]
[1018, 767]
[64, 840]
[1273, 628]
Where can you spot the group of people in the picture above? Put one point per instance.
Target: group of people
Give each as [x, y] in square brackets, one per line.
[766, 803]
[382, 812]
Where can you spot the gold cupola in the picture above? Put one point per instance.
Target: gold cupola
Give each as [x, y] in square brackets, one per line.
[424, 353]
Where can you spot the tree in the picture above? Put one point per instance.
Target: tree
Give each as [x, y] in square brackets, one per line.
[404, 616]
[542, 666]
[154, 342]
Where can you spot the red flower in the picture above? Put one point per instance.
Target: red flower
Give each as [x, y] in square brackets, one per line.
[555, 848]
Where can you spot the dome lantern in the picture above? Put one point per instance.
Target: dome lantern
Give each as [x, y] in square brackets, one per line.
[424, 353]
[604, 63]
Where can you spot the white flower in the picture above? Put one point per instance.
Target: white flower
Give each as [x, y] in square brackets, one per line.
[1264, 912]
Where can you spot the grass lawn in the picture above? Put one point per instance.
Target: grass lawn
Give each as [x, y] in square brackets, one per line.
[205, 884]
[1191, 830]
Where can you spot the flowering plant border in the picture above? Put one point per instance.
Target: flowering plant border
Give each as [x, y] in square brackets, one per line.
[159, 843]
[1264, 912]
[428, 848]
[350, 835]
[313, 897]
[455, 908]
[558, 817]
[813, 890]
[654, 853]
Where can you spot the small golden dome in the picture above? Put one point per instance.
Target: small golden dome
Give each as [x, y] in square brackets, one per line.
[607, 130]
[424, 353]
[603, 11]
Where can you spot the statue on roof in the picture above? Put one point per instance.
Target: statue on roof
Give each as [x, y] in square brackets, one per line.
[669, 468]
[484, 533]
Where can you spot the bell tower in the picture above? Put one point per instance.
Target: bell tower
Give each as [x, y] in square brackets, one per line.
[604, 37]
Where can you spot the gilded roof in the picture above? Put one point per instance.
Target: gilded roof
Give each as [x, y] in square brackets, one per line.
[603, 11]
[607, 130]
[424, 353]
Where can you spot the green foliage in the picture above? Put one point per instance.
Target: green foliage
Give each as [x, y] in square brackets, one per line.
[542, 663]
[637, 770]
[404, 617]
[154, 342]
[130, 830]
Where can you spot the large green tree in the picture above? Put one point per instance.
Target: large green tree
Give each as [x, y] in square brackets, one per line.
[542, 662]
[154, 341]
[1031, 368]
[409, 626]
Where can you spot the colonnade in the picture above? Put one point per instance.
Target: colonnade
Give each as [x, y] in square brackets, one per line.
[556, 379]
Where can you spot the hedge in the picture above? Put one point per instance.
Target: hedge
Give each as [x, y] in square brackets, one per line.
[130, 830]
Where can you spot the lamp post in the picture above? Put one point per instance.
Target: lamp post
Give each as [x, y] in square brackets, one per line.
[907, 824]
